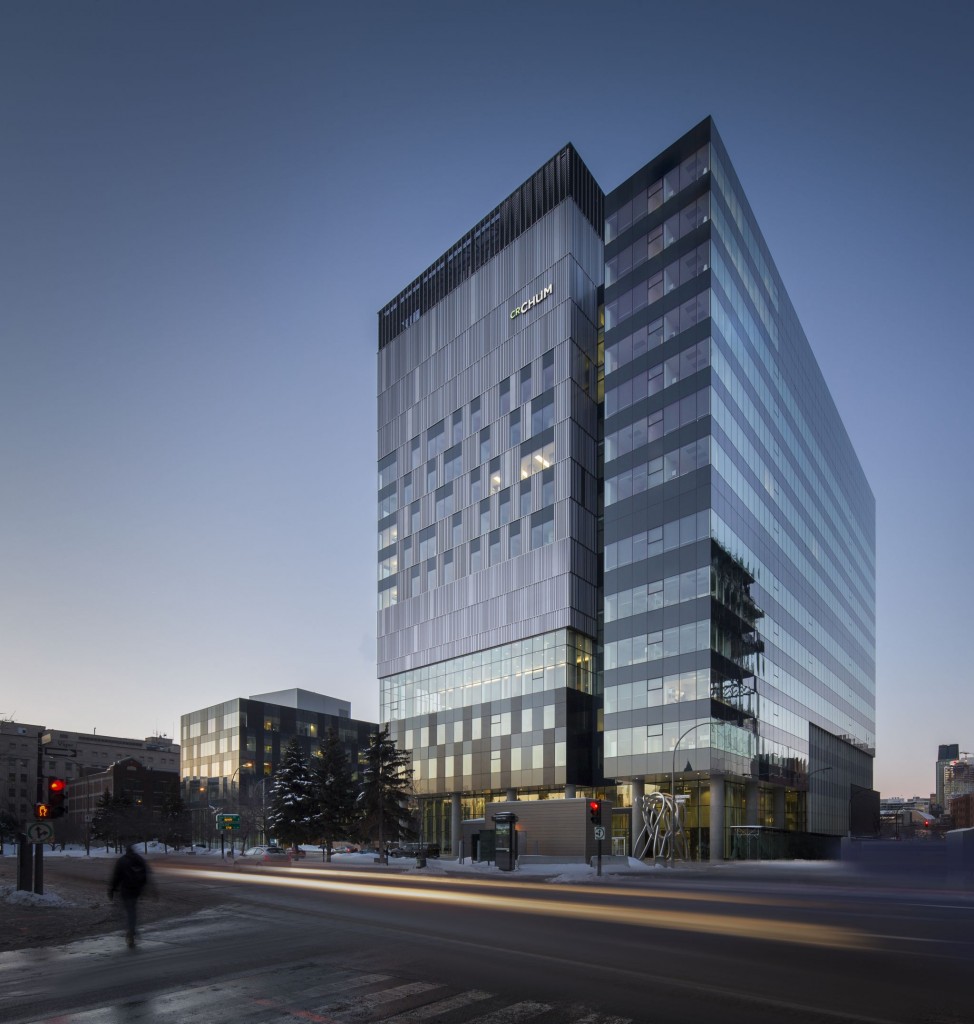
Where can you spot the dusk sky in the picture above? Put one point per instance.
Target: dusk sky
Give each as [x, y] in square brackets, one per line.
[204, 205]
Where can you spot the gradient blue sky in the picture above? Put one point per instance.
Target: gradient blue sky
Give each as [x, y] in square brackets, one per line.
[203, 206]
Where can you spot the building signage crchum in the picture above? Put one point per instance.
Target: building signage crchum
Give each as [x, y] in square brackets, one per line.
[533, 301]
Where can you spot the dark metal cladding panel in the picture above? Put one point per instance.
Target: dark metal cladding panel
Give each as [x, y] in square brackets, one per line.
[563, 177]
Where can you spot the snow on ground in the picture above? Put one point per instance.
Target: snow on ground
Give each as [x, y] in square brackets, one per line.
[146, 849]
[10, 894]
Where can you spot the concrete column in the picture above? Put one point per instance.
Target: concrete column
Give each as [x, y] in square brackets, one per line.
[511, 795]
[637, 822]
[456, 826]
[717, 819]
[752, 803]
[779, 806]
[570, 791]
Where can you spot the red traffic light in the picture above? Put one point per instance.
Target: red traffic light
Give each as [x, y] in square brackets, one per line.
[55, 798]
[595, 811]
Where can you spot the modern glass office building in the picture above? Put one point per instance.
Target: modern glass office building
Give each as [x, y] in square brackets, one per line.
[230, 751]
[624, 540]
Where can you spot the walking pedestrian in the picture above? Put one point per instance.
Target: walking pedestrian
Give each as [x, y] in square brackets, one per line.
[130, 878]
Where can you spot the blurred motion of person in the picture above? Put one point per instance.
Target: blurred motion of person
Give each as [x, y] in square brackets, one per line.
[130, 878]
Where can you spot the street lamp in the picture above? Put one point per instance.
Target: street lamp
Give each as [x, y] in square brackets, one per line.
[236, 771]
[673, 789]
[229, 796]
[262, 785]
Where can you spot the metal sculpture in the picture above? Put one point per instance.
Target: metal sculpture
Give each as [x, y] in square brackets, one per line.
[662, 836]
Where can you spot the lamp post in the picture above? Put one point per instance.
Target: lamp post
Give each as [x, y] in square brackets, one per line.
[262, 784]
[236, 771]
[673, 788]
[229, 795]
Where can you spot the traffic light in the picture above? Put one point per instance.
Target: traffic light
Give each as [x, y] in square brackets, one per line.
[595, 811]
[55, 798]
[42, 811]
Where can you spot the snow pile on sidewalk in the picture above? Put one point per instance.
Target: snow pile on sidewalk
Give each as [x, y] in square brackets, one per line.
[18, 897]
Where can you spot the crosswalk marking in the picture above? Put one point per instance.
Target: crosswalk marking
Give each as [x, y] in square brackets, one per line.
[598, 1018]
[438, 1008]
[340, 998]
[368, 1001]
[511, 1014]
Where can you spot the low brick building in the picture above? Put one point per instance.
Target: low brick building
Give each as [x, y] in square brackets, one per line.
[147, 792]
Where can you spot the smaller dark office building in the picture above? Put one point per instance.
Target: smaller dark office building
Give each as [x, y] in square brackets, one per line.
[231, 750]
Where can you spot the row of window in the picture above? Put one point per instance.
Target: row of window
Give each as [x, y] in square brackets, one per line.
[431, 572]
[679, 271]
[657, 424]
[662, 643]
[452, 430]
[509, 670]
[654, 379]
[680, 224]
[540, 418]
[640, 545]
[653, 693]
[422, 543]
[522, 759]
[650, 739]
[687, 586]
[505, 723]
[683, 460]
[653, 197]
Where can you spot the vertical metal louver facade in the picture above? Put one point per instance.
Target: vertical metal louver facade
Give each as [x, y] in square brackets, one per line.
[563, 177]
[488, 496]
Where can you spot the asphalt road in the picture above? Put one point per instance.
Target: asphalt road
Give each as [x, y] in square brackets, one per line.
[327, 946]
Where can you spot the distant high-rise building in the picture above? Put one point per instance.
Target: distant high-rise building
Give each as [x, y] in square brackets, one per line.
[622, 532]
[946, 753]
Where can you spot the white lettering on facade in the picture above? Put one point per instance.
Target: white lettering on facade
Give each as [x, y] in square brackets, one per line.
[533, 301]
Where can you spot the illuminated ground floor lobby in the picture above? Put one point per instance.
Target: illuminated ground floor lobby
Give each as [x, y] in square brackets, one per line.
[754, 820]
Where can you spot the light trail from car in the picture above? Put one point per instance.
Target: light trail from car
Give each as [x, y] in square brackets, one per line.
[789, 931]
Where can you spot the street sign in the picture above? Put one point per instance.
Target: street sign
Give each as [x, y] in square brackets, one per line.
[39, 832]
[59, 752]
[228, 821]
[600, 832]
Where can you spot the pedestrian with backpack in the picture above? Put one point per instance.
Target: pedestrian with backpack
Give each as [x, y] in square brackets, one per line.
[129, 879]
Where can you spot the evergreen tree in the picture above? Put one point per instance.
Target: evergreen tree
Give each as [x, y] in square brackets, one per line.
[387, 782]
[176, 825]
[110, 821]
[335, 792]
[293, 811]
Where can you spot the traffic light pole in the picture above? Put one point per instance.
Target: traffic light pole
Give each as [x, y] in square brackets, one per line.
[24, 873]
[595, 817]
[39, 868]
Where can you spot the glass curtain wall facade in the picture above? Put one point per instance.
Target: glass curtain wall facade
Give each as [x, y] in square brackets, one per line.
[739, 526]
[671, 573]
[488, 501]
